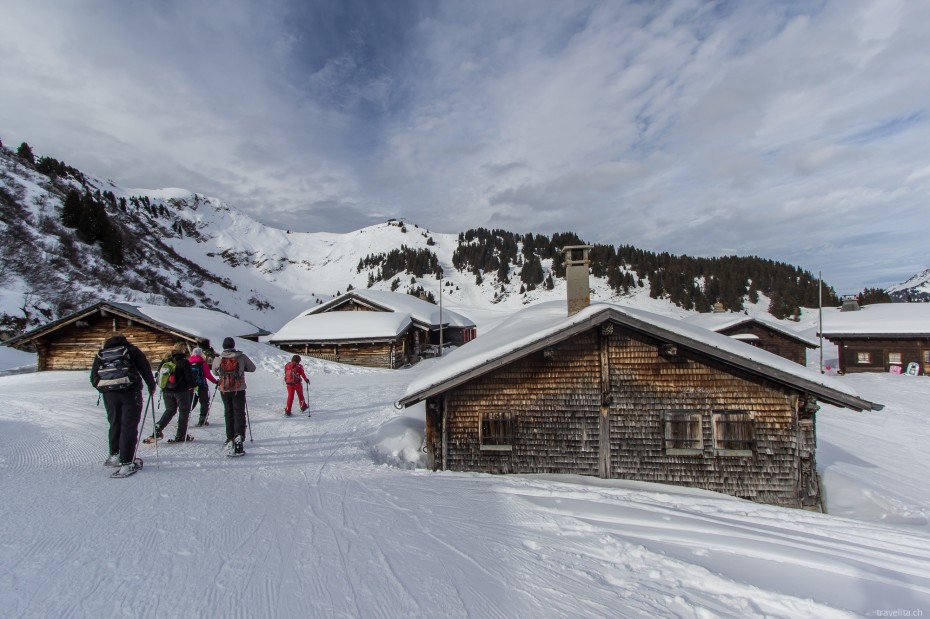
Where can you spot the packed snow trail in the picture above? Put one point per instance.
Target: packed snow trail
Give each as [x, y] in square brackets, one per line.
[316, 521]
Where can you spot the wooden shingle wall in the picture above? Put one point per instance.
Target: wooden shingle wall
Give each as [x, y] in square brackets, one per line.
[556, 399]
[646, 385]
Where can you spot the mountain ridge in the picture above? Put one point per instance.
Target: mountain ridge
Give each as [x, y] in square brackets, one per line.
[173, 246]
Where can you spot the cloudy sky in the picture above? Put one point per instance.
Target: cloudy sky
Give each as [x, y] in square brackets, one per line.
[796, 131]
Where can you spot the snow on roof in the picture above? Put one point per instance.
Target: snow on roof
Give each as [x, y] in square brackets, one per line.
[718, 321]
[201, 322]
[879, 319]
[546, 323]
[421, 311]
[343, 326]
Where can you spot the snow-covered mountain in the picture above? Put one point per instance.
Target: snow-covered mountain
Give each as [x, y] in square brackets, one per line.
[916, 288]
[176, 247]
[183, 248]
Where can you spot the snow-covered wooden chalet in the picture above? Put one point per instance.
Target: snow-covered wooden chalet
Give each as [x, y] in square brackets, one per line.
[759, 332]
[884, 337]
[71, 342]
[616, 392]
[374, 328]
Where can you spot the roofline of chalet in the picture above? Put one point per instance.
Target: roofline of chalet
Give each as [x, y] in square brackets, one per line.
[823, 393]
[776, 328]
[874, 336]
[359, 297]
[118, 309]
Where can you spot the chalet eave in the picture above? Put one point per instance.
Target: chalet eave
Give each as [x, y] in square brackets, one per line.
[876, 336]
[105, 309]
[823, 393]
[340, 342]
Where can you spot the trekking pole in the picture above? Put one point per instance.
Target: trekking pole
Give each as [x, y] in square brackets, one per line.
[155, 434]
[307, 399]
[248, 422]
[141, 431]
[210, 402]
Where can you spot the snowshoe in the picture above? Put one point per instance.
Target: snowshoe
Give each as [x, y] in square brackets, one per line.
[181, 439]
[287, 413]
[113, 460]
[237, 449]
[151, 439]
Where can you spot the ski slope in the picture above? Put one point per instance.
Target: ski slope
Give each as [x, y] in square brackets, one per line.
[335, 516]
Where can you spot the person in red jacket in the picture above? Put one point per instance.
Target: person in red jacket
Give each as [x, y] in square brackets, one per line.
[293, 375]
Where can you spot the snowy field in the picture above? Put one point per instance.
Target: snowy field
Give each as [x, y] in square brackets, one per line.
[335, 516]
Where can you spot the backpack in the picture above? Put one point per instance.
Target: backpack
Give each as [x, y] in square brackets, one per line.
[197, 370]
[230, 378]
[166, 374]
[291, 376]
[115, 370]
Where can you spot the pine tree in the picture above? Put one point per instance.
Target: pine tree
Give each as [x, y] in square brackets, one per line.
[24, 152]
[71, 209]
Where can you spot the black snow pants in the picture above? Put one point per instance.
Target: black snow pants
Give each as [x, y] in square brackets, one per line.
[234, 408]
[176, 402]
[124, 409]
[203, 396]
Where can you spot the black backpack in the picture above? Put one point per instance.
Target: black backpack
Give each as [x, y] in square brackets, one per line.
[115, 370]
[197, 369]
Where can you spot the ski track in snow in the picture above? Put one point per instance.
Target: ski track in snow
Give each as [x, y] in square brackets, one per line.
[308, 523]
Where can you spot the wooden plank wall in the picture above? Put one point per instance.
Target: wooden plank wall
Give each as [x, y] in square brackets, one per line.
[910, 349]
[374, 355]
[73, 347]
[557, 398]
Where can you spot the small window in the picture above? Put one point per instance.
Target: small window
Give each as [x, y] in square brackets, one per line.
[864, 358]
[894, 357]
[683, 434]
[926, 357]
[734, 433]
[496, 432]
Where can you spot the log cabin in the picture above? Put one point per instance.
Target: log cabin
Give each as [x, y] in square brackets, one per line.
[375, 329]
[71, 342]
[884, 337]
[616, 392]
[757, 331]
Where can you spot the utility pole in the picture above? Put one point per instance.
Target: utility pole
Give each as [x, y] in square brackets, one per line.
[820, 314]
[440, 314]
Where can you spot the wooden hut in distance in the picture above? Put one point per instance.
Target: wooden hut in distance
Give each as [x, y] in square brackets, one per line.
[71, 342]
[374, 328]
[884, 337]
[757, 331]
[615, 392]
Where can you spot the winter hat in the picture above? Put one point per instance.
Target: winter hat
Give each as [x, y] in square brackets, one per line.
[229, 343]
[296, 358]
[197, 352]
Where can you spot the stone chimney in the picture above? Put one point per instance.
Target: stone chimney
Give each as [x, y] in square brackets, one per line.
[576, 276]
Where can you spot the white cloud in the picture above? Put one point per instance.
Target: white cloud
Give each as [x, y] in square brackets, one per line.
[691, 128]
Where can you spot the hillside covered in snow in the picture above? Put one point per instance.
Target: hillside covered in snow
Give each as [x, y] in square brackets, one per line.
[70, 239]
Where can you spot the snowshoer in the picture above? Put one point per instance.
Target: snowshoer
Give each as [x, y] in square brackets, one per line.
[202, 378]
[294, 376]
[230, 368]
[177, 387]
[118, 372]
